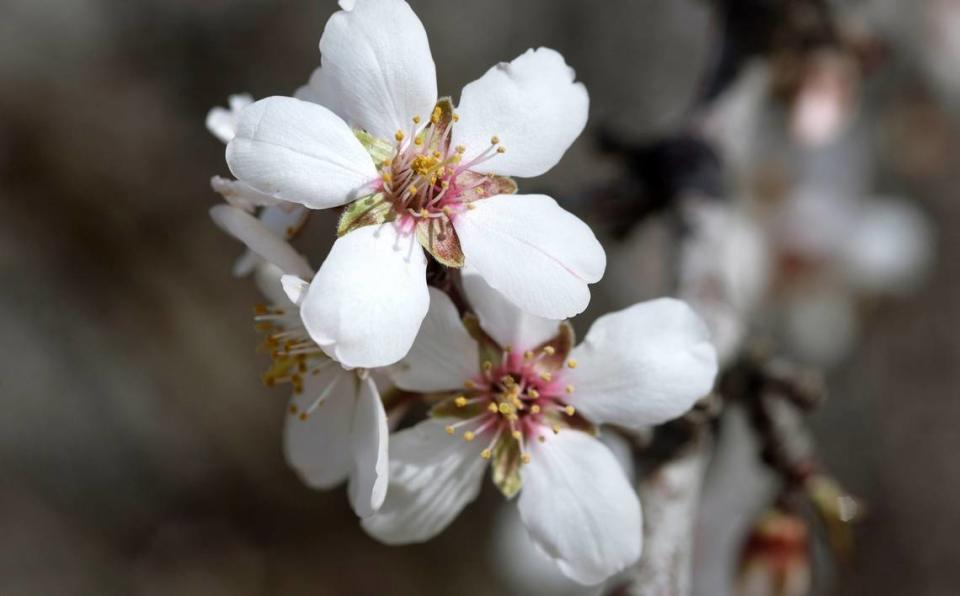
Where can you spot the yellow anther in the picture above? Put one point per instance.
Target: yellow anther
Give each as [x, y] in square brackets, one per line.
[461, 401]
[487, 365]
[424, 213]
[469, 436]
[569, 388]
[549, 350]
[416, 119]
[303, 416]
[435, 116]
[456, 117]
[450, 430]
[494, 140]
[516, 435]
[486, 454]
[535, 409]
[542, 439]
[460, 149]
[399, 136]
[293, 409]
[505, 408]
[447, 210]
[508, 381]
[501, 149]
[418, 140]
[492, 407]
[423, 164]
[533, 393]
[387, 177]
[469, 384]
[525, 458]
[508, 348]
[546, 376]
[570, 410]
[437, 155]
[556, 429]
[471, 206]
[528, 355]
[572, 363]
[412, 190]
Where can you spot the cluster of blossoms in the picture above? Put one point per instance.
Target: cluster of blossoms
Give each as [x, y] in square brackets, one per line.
[423, 182]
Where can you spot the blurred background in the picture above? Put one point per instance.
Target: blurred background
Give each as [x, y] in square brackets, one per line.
[139, 452]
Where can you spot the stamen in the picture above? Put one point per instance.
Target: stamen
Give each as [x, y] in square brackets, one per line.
[571, 363]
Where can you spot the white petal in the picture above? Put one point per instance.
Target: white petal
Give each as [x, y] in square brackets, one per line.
[535, 253]
[643, 365]
[251, 231]
[366, 303]
[295, 288]
[432, 477]
[319, 447]
[240, 194]
[579, 507]
[222, 123]
[319, 91]
[531, 104]
[503, 320]
[443, 355]
[377, 61]
[368, 481]
[300, 152]
[267, 278]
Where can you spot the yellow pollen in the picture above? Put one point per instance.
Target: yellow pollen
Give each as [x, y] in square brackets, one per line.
[487, 365]
[542, 439]
[569, 388]
[525, 458]
[303, 416]
[492, 408]
[516, 435]
[533, 393]
[418, 140]
[570, 410]
[399, 136]
[436, 154]
[508, 348]
[416, 119]
[549, 350]
[460, 401]
[501, 149]
[505, 408]
[546, 376]
[556, 429]
[535, 409]
[387, 177]
[471, 206]
[572, 363]
[435, 116]
[494, 140]
[460, 149]
[469, 436]
[528, 355]
[422, 164]
[449, 430]
[485, 454]
[412, 190]
[456, 117]
[424, 213]
[293, 409]
[447, 210]
[469, 384]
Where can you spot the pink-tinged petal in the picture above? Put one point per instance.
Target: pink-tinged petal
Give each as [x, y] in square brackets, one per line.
[531, 104]
[579, 508]
[316, 436]
[366, 303]
[300, 152]
[643, 365]
[532, 251]
[443, 355]
[258, 238]
[376, 61]
[369, 438]
[433, 476]
[504, 321]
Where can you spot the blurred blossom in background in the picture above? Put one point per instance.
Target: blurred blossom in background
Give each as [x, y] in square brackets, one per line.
[139, 451]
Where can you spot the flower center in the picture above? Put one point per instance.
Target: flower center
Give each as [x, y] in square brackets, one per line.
[424, 177]
[518, 399]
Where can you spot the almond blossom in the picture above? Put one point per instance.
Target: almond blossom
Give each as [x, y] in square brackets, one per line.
[337, 426]
[418, 174]
[521, 398]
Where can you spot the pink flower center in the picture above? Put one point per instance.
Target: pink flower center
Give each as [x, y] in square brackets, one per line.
[520, 399]
[426, 179]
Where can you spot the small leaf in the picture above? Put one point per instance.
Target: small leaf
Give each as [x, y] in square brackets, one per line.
[370, 210]
[506, 466]
[380, 151]
[437, 237]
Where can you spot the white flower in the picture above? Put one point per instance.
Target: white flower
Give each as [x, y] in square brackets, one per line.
[337, 426]
[283, 219]
[420, 177]
[525, 399]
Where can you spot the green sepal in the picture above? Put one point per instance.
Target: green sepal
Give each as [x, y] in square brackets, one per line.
[437, 237]
[505, 466]
[380, 151]
[370, 210]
